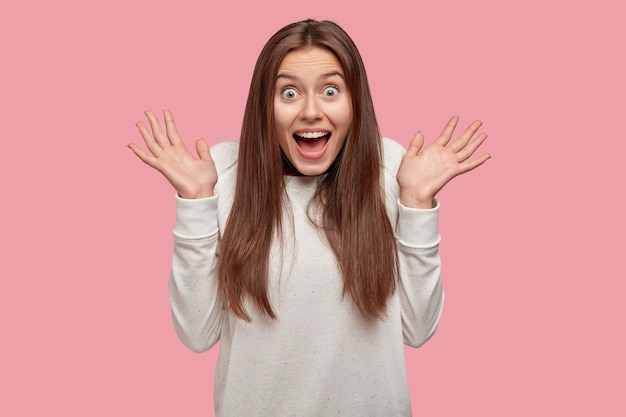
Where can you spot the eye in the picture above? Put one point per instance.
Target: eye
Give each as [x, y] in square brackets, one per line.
[330, 91]
[289, 92]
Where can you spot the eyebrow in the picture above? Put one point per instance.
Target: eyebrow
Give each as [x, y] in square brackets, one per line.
[322, 76]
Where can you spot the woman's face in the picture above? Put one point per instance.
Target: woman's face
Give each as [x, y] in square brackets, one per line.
[312, 109]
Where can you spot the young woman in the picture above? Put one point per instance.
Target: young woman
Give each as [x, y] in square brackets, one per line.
[308, 249]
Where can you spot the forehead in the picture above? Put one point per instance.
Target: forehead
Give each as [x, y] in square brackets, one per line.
[313, 60]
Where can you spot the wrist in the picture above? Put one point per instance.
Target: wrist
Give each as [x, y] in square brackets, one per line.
[411, 201]
[191, 195]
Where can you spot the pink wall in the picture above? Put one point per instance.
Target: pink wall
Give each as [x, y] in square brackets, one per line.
[532, 241]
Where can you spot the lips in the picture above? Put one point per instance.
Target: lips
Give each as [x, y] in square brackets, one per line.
[311, 143]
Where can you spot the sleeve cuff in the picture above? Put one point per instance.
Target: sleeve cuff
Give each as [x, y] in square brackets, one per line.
[418, 228]
[196, 218]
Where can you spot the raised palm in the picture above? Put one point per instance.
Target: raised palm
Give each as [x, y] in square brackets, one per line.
[424, 172]
[191, 177]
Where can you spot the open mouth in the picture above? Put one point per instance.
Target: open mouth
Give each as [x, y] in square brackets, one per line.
[312, 141]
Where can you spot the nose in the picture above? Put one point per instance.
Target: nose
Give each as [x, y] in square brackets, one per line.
[311, 109]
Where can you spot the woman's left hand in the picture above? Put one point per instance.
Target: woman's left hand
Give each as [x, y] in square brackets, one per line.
[424, 172]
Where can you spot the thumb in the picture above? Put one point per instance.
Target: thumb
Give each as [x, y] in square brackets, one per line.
[202, 148]
[416, 144]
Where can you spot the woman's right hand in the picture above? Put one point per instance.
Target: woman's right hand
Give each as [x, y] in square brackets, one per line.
[191, 177]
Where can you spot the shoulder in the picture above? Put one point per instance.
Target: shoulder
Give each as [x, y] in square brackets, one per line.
[392, 156]
[225, 156]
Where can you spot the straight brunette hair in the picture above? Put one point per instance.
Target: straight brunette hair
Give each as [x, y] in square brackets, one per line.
[350, 196]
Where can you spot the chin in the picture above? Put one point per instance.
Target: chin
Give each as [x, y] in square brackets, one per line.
[311, 171]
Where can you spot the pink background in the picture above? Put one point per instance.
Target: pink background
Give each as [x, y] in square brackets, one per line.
[534, 321]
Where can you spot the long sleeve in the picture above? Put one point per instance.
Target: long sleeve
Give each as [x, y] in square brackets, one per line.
[419, 285]
[310, 361]
[197, 307]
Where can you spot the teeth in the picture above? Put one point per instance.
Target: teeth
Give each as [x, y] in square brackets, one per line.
[311, 135]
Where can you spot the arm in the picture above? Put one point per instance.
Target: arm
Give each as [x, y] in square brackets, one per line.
[197, 308]
[194, 296]
[419, 284]
[423, 172]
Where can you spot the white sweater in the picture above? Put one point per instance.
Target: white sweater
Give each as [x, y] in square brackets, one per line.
[320, 358]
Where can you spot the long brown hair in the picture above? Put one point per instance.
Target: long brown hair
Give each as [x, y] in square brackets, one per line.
[351, 195]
